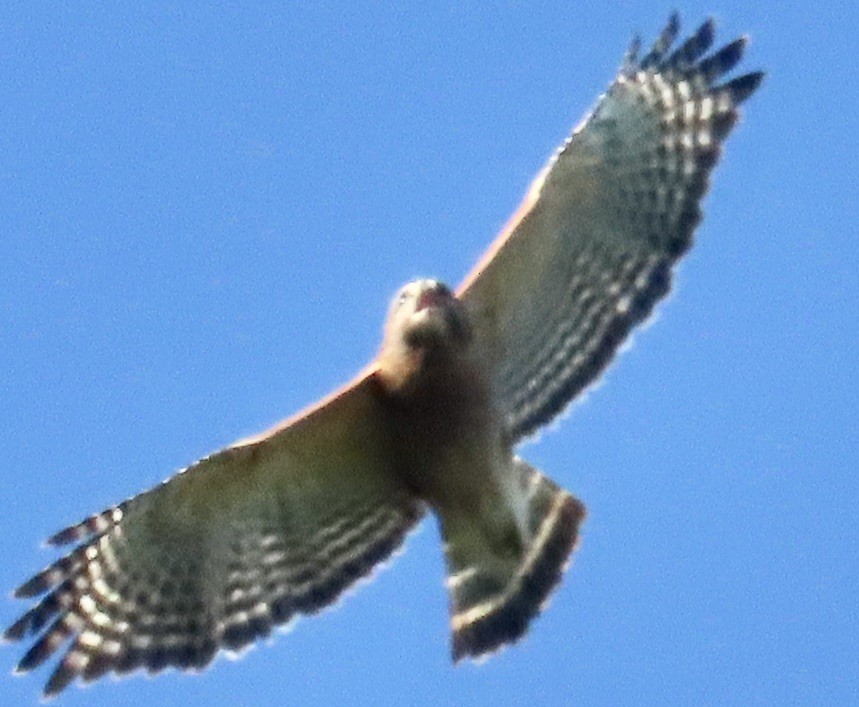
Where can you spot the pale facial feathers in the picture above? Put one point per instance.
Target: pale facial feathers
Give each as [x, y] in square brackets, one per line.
[426, 315]
[427, 328]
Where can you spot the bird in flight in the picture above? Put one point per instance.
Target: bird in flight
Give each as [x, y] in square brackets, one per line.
[282, 523]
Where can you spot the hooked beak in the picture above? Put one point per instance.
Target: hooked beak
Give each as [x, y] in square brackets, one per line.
[429, 298]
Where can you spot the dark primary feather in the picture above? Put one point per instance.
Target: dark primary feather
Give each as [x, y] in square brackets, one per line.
[664, 41]
[692, 49]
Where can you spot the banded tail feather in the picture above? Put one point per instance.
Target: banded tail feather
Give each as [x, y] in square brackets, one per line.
[497, 588]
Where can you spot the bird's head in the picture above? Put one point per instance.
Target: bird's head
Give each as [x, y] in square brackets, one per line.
[427, 328]
[426, 316]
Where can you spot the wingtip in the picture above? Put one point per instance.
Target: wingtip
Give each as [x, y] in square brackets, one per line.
[744, 86]
[16, 631]
[706, 33]
[59, 681]
[31, 588]
[631, 56]
[673, 25]
[669, 34]
[54, 541]
[65, 536]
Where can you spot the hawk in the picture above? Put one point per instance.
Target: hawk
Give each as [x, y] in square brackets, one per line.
[282, 523]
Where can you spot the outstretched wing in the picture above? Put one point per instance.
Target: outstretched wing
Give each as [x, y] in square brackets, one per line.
[218, 555]
[591, 249]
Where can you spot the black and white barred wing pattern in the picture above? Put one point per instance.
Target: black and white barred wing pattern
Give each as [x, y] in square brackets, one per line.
[591, 250]
[220, 554]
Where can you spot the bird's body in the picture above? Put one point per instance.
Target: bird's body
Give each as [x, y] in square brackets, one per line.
[280, 524]
[437, 399]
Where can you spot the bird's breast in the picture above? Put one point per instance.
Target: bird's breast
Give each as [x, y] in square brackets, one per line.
[445, 435]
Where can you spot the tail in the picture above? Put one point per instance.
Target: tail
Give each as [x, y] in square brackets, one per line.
[501, 570]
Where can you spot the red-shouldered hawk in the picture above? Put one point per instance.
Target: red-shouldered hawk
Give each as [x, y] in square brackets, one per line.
[282, 523]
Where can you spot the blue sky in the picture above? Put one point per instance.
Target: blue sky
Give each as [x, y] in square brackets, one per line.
[206, 211]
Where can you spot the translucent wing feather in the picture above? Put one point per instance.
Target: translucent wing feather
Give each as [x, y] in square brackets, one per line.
[591, 250]
[221, 553]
